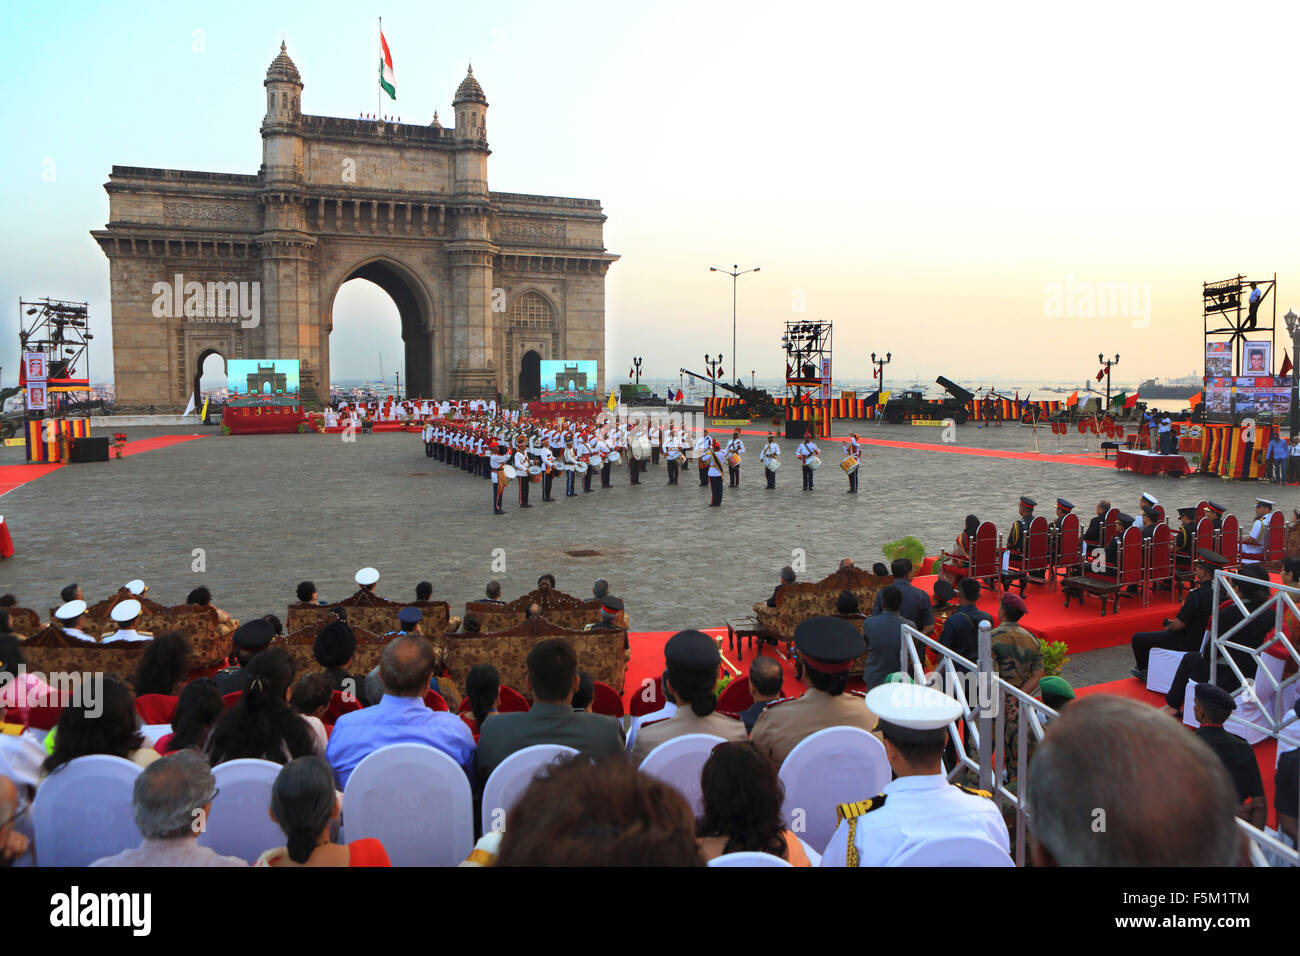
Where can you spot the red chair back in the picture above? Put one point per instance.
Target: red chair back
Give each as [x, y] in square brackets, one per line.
[1068, 553]
[435, 701]
[231, 699]
[647, 699]
[339, 705]
[984, 551]
[1204, 534]
[1035, 554]
[736, 697]
[156, 708]
[1130, 556]
[1230, 540]
[1202, 509]
[1160, 556]
[511, 702]
[44, 716]
[606, 700]
[1275, 542]
[1109, 527]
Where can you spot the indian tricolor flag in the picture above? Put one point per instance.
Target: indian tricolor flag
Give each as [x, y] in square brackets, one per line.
[386, 78]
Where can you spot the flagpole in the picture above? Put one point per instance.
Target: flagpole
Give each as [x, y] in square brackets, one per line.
[379, 87]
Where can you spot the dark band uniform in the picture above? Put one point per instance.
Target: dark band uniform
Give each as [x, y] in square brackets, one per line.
[917, 808]
[252, 635]
[828, 645]
[1237, 755]
[1195, 615]
[695, 651]
[1185, 540]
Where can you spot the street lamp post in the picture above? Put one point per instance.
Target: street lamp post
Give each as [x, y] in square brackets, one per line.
[1293, 326]
[397, 381]
[636, 364]
[1108, 363]
[735, 272]
[880, 364]
[714, 366]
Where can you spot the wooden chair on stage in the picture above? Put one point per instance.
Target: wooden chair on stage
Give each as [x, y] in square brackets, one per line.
[982, 562]
[1158, 563]
[1031, 564]
[1066, 550]
[1184, 566]
[1110, 583]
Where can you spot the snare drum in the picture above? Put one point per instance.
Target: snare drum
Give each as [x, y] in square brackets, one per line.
[849, 464]
[772, 464]
[534, 472]
[615, 458]
[813, 462]
[733, 460]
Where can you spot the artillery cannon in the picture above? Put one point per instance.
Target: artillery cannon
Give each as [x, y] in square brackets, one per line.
[914, 402]
[754, 402]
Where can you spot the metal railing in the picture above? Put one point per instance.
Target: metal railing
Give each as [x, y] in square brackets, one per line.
[985, 717]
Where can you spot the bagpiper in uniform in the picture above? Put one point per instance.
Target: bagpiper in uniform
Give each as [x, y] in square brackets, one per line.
[827, 646]
[919, 805]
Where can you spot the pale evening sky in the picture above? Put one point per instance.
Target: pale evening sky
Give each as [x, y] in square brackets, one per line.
[919, 174]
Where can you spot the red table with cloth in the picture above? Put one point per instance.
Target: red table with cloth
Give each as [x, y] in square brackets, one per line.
[262, 419]
[1147, 463]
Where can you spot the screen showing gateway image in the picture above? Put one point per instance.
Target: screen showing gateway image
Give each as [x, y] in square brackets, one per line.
[262, 376]
[568, 381]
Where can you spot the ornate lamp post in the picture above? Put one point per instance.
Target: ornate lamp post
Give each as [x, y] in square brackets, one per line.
[880, 364]
[1293, 326]
[714, 370]
[1108, 363]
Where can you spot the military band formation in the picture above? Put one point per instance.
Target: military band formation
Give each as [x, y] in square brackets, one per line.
[509, 448]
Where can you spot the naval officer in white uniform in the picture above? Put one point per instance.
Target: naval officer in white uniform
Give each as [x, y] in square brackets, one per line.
[919, 805]
[69, 616]
[127, 615]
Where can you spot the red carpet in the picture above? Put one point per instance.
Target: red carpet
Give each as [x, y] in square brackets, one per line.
[1081, 626]
[12, 476]
[1265, 750]
[153, 444]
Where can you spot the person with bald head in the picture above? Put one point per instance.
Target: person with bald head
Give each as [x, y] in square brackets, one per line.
[400, 717]
[1116, 783]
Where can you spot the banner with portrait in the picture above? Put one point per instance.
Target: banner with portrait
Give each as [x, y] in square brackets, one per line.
[1257, 358]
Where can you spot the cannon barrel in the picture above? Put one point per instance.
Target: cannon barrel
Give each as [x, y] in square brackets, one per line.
[712, 381]
[955, 390]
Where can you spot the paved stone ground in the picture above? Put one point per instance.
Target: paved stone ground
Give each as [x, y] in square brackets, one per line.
[269, 511]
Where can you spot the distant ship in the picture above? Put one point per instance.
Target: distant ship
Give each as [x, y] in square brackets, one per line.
[1153, 389]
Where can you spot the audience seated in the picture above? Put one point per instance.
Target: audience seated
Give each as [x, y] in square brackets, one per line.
[765, 680]
[19, 694]
[203, 598]
[482, 689]
[884, 635]
[916, 606]
[305, 804]
[104, 723]
[197, 711]
[742, 806]
[310, 700]
[580, 813]
[334, 650]
[261, 724]
[169, 797]
[692, 661]
[13, 845]
[250, 639]
[553, 680]
[163, 665]
[492, 593]
[400, 716]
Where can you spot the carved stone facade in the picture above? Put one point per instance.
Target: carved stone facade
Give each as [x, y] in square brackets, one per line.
[249, 266]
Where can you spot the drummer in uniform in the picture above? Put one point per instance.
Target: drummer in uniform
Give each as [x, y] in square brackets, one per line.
[691, 659]
[827, 646]
[548, 471]
[69, 615]
[771, 453]
[583, 452]
[807, 449]
[714, 457]
[127, 615]
[521, 471]
[497, 463]
[853, 449]
[672, 445]
[919, 804]
[656, 442]
[734, 447]
[603, 449]
[702, 449]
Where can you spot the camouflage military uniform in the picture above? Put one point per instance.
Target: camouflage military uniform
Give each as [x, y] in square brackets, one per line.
[1018, 657]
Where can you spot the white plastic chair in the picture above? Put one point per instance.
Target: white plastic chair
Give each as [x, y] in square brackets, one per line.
[511, 778]
[416, 801]
[239, 823]
[1246, 707]
[678, 763]
[1162, 664]
[83, 811]
[952, 851]
[833, 766]
[749, 859]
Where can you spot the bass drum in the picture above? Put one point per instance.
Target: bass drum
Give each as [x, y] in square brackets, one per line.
[581, 467]
[642, 446]
[509, 472]
[772, 464]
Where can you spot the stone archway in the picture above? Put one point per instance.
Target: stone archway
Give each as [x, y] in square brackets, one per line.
[414, 309]
[530, 376]
[206, 354]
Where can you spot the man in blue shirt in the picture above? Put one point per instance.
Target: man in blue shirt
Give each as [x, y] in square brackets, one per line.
[1278, 453]
[916, 603]
[884, 634]
[401, 716]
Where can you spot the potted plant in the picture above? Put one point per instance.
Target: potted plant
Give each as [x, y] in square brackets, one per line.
[906, 547]
[119, 442]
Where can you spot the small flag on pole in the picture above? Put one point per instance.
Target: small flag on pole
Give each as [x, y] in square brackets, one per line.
[1101, 374]
[1073, 399]
[613, 399]
[1195, 399]
[1132, 400]
[1119, 398]
[386, 77]
[1285, 370]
